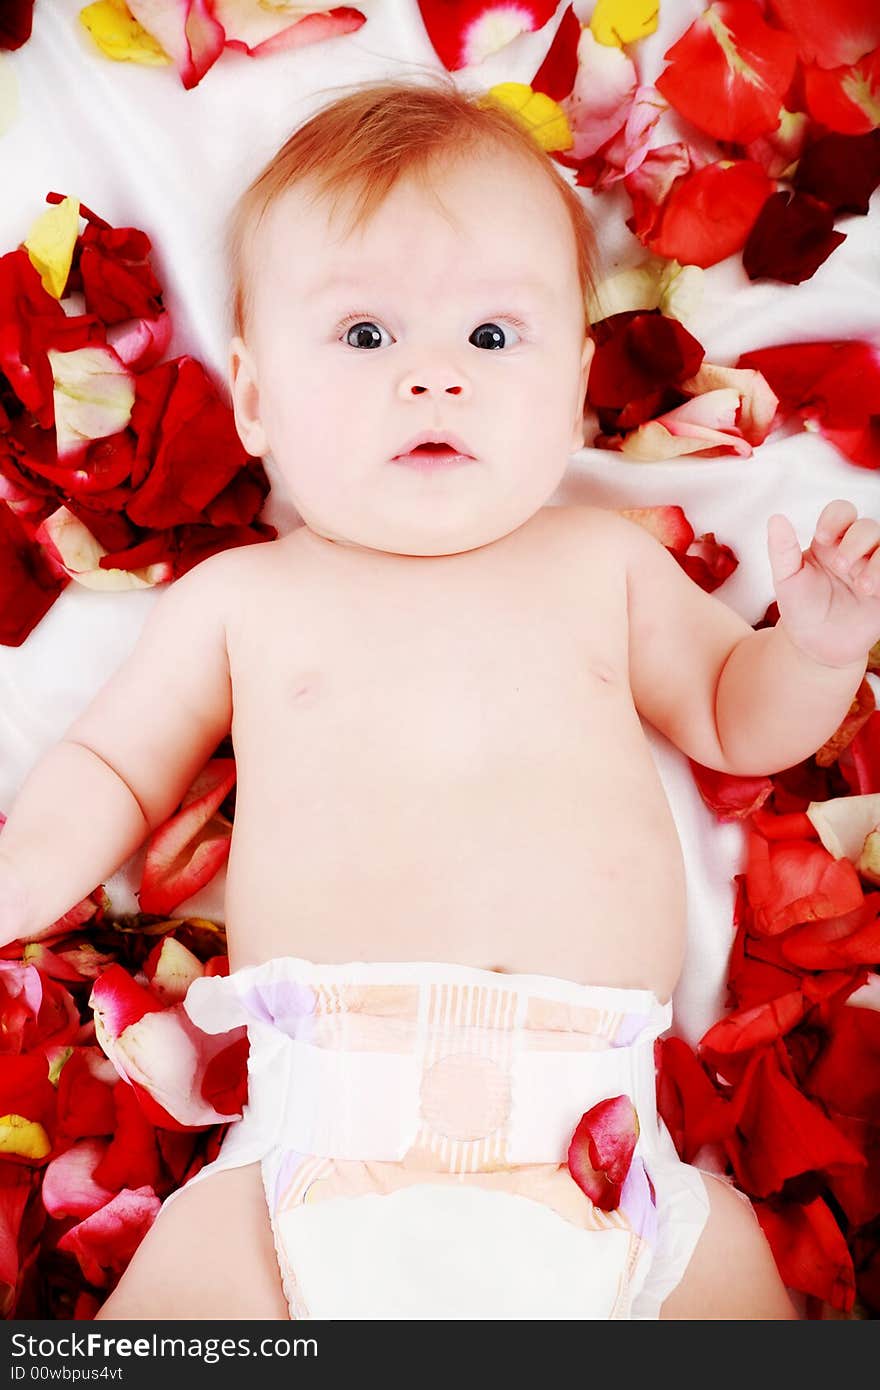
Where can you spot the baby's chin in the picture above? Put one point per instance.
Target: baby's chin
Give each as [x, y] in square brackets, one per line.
[407, 546]
[422, 530]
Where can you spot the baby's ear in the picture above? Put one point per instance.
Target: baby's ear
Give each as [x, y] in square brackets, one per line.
[245, 391]
[577, 436]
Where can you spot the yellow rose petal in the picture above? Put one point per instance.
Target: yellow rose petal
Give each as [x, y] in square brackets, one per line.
[50, 243]
[616, 22]
[540, 114]
[26, 1138]
[118, 34]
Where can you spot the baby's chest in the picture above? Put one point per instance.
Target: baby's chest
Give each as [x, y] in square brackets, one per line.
[440, 682]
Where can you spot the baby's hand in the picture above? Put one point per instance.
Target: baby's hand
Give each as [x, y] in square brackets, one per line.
[829, 595]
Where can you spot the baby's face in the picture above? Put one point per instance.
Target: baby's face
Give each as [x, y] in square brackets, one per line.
[468, 323]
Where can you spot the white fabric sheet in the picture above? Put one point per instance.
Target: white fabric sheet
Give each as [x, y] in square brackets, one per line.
[138, 149]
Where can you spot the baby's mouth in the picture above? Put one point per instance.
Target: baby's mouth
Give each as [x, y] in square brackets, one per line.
[432, 456]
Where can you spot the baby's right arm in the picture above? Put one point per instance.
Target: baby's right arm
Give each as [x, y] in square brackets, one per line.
[124, 765]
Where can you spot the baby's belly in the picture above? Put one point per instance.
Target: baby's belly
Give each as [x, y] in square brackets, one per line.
[572, 868]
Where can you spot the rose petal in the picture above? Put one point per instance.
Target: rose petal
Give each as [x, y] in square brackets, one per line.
[105, 1242]
[15, 23]
[257, 29]
[184, 29]
[190, 847]
[830, 34]
[93, 396]
[847, 99]
[729, 72]
[466, 32]
[171, 969]
[792, 236]
[601, 1150]
[793, 881]
[72, 545]
[50, 243]
[841, 170]
[709, 213]
[809, 1249]
[846, 1074]
[694, 1111]
[603, 92]
[15, 1189]
[85, 1094]
[779, 150]
[704, 424]
[844, 822]
[119, 36]
[757, 402]
[69, 1187]
[623, 21]
[635, 355]
[132, 1158]
[780, 1132]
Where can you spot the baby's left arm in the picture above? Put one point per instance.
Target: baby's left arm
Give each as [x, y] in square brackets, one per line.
[744, 702]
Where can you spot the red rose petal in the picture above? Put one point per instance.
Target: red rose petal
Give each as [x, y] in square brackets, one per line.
[793, 235]
[105, 1242]
[830, 34]
[601, 1150]
[637, 353]
[688, 1101]
[731, 798]
[556, 75]
[70, 1186]
[16, 21]
[841, 170]
[779, 1132]
[793, 881]
[729, 72]
[846, 1074]
[225, 1082]
[188, 849]
[857, 1190]
[16, 1186]
[847, 98]
[85, 1096]
[809, 1250]
[709, 213]
[25, 1090]
[117, 279]
[132, 1158]
[465, 32]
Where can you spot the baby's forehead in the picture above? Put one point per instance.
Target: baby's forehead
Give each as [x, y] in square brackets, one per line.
[484, 215]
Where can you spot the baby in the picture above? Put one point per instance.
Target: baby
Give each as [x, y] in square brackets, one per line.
[437, 939]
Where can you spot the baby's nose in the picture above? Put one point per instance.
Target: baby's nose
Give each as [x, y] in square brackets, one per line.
[439, 381]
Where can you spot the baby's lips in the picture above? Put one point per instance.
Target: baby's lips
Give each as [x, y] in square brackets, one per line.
[601, 1150]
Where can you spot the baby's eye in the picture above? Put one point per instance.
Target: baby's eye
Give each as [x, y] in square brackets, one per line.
[492, 336]
[366, 333]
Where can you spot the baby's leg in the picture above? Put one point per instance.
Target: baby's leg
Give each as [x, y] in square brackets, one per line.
[208, 1255]
[732, 1273]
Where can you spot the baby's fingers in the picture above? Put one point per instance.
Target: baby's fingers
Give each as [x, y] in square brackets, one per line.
[834, 520]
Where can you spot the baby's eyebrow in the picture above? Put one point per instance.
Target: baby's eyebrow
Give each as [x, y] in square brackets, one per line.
[508, 284]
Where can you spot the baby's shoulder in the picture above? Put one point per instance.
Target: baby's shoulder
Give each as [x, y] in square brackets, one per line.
[225, 577]
[588, 524]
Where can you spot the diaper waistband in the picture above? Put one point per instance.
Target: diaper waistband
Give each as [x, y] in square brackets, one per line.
[441, 1066]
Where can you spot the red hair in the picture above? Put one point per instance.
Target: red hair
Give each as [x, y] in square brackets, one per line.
[384, 131]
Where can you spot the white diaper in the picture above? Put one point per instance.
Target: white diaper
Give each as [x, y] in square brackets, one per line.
[412, 1121]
